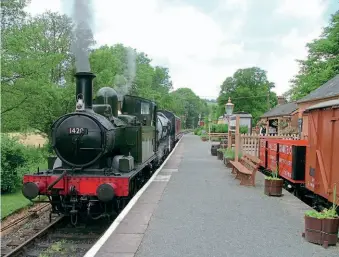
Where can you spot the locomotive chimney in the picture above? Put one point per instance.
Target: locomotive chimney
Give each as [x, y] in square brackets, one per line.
[84, 88]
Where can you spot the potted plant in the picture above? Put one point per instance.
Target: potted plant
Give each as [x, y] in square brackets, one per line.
[214, 149]
[204, 137]
[322, 227]
[274, 184]
[229, 155]
[220, 153]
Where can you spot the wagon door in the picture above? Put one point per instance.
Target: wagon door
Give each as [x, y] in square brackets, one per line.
[323, 151]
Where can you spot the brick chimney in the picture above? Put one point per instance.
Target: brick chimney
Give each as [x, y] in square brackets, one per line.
[281, 100]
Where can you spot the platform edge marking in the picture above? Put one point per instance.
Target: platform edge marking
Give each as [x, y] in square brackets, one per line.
[96, 247]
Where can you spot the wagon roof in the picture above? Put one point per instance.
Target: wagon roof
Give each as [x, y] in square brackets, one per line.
[281, 110]
[329, 103]
[329, 89]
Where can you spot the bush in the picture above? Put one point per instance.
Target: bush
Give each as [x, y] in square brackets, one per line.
[230, 154]
[17, 159]
[243, 129]
[197, 131]
[219, 128]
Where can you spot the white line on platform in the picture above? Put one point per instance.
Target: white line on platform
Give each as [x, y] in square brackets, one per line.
[170, 170]
[162, 178]
[95, 248]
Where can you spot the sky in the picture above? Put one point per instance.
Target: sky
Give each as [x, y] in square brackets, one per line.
[204, 41]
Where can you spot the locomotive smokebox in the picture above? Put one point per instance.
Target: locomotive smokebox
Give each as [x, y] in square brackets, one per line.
[84, 88]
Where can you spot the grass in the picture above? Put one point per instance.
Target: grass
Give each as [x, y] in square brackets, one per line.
[10, 203]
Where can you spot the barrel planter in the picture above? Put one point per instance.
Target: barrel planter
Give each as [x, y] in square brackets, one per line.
[220, 155]
[273, 187]
[322, 231]
[214, 149]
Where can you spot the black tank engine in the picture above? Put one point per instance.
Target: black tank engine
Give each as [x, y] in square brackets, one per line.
[104, 152]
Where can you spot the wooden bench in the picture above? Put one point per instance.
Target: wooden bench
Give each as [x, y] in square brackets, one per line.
[246, 169]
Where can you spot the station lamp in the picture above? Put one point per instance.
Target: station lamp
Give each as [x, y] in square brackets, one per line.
[229, 107]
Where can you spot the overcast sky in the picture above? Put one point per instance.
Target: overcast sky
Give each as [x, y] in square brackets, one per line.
[204, 41]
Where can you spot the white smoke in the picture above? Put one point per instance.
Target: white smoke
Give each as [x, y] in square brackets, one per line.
[123, 83]
[81, 13]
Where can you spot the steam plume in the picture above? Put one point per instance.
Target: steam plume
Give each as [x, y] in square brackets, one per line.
[123, 83]
[82, 17]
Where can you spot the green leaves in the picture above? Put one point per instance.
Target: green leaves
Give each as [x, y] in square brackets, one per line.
[322, 62]
[248, 89]
[38, 68]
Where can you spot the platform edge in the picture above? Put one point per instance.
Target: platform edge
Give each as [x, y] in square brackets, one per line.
[96, 247]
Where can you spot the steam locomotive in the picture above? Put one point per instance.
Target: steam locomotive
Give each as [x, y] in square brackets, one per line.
[105, 152]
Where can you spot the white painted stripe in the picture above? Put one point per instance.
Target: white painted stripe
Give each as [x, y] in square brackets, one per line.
[170, 170]
[162, 178]
[95, 248]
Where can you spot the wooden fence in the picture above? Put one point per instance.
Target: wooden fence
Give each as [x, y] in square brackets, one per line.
[250, 143]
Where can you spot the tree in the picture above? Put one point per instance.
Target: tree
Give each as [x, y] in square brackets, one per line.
[248, 89]
[12, 13]
[38, 68]
[322, 62]
[188, 106]
[35, 61]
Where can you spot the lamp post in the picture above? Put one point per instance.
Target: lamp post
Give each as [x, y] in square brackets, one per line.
[209, 130]
[229, 110]
[229, 107]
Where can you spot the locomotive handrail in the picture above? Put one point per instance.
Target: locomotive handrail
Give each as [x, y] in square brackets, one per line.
[57, 180]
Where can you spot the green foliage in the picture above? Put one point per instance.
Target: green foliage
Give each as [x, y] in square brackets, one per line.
[219, 128]
[274, 174]
[37, 68]
[248, 89]
[322, 62]
[326, 213]
[17, 159]
[199, 131]
[243, 129]
[10, 203]
[230, 154]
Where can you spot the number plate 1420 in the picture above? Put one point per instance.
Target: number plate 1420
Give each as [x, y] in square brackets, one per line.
[77, 131]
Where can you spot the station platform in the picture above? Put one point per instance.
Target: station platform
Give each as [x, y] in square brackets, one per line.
[195, 207]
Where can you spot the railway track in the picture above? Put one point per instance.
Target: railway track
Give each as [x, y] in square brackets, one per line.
[59, 238]
[32, 214]
[45, 239]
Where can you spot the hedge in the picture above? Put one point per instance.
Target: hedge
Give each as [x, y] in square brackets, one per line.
[16, 160]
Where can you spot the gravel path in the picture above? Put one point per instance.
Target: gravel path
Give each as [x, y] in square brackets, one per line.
[204, 212]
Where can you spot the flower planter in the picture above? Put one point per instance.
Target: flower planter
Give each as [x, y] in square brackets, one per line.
[273, 187]
[214, 149]
[220, 155]
[321, 231]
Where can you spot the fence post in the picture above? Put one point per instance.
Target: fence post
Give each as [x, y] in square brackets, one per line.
[237, 137]
[229, 140]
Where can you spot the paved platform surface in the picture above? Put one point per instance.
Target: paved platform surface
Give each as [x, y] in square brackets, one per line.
[194, 207]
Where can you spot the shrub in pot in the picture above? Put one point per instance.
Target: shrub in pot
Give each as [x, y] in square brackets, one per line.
[273, 184]
[204, 137]
[229, 155]
[322, 227]
[220, 153]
